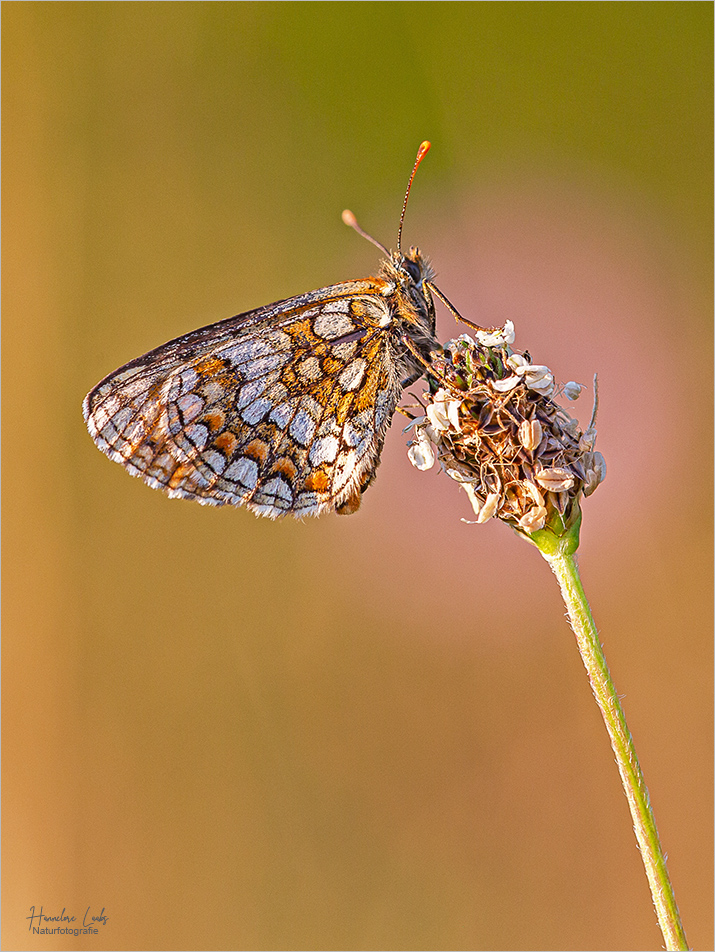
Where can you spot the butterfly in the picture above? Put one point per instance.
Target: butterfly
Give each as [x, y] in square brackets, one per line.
[283, 409]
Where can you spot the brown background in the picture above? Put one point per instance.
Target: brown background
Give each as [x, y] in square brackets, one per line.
[371, 732]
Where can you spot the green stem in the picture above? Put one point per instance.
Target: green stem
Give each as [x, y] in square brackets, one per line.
[563, 565]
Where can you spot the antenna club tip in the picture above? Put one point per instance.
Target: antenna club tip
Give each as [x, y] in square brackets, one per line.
[424, 147]
[349, 219]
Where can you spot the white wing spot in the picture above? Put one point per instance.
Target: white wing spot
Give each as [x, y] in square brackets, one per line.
[331, 324]
[188, 379]
[302, 427]
[345, 351]
[323, 450]
[263, 365]
[215, 460]
[250, 392]
[344, 468]
[244, 472]
[281, 414]
[352, 376]
[255, 411]
[198, 435]
[309, 369]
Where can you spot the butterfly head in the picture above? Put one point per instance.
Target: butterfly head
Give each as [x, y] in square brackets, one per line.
[411, 273]
[412, 269]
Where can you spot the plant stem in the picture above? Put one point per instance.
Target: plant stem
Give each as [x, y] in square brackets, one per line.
[563, 565]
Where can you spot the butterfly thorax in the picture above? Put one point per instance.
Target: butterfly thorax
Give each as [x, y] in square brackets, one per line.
[412, 310]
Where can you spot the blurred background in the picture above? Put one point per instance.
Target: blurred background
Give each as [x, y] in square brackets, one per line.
[374, 731]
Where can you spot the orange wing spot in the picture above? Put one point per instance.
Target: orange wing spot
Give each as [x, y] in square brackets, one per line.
[317, 482]
[226, 442]
[330, 366]
[366, 395]
[344, 407]
[257, 450]
[301, 333]
[210, 367]
[322, 392]
[286, 467]
[214, 420]
[289, 378]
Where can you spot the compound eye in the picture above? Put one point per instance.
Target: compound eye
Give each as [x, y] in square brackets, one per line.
[413, 269]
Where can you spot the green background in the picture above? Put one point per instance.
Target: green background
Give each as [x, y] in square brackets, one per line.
[375, 731]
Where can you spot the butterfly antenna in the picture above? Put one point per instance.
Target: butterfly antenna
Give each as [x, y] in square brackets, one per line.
[351, 221]
[421, 153]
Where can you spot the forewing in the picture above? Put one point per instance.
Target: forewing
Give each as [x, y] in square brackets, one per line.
[283, 409]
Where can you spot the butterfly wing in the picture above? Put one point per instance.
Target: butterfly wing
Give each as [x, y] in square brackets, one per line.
[283, 409]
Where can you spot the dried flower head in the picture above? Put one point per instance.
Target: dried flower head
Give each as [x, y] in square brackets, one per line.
[492, 423]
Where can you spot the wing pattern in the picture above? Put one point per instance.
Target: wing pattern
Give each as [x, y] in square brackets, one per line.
[283, 409]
